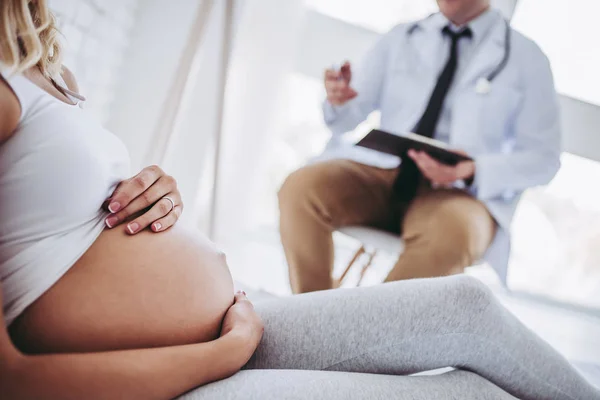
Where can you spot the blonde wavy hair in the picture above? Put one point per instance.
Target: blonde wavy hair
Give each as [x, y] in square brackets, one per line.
[29, 37]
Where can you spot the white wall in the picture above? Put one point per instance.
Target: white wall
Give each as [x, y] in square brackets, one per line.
[320, 45]
[568, 32]
[581, 127]
[96, 41]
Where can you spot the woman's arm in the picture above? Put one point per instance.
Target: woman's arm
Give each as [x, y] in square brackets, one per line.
[159, 373]
[10, 111]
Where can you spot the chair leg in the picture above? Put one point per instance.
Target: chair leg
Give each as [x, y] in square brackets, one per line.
[366, 266]
[359, 253]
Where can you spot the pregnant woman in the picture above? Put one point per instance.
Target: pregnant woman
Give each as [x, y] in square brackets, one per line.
[104, 298]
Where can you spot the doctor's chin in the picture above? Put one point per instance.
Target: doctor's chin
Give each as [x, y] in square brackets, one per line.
[300, 199]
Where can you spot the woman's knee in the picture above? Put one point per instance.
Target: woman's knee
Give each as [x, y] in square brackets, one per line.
[469, 294]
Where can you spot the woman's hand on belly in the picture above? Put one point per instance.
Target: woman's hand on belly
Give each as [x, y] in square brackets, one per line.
[243, 322]
[150, 198]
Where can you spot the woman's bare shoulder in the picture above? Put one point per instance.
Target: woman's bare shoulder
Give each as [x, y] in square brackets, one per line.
[10, 111]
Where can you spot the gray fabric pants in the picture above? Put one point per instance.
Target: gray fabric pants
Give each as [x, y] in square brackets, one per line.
[354, 344]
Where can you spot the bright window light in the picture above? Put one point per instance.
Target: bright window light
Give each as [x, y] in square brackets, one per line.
[568, 32]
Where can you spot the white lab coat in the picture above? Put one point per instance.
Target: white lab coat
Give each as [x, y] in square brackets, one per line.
[513, 132]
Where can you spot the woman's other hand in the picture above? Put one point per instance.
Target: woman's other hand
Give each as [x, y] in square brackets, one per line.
[242, 322]
[151, 190]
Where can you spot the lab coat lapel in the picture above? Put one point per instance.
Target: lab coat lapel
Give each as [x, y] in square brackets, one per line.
[486, 57]
[424, 51]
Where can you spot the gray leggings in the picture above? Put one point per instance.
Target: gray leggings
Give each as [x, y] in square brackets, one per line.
[356, 344]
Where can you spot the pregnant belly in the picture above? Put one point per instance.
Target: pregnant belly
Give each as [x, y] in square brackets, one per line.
[128, 292]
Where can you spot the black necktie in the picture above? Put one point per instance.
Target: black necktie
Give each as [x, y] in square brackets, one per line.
[407, 181]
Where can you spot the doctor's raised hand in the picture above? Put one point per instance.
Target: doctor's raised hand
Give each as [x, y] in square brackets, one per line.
[337, 85]
[151, 197]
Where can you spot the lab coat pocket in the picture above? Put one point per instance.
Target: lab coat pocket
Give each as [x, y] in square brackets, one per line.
[498, 114]
[482, 122]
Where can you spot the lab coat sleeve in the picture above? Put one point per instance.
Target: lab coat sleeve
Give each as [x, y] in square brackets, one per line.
[535, 155]
[368, 80]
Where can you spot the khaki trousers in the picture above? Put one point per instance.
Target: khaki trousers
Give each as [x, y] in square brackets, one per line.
[444, 230]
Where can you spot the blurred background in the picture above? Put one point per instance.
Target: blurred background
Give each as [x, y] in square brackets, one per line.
[226, 96]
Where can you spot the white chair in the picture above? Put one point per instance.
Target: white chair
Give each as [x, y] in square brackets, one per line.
[372, 240]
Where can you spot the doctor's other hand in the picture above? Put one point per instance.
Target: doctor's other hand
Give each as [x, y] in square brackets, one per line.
[337, 85]
[442, 174]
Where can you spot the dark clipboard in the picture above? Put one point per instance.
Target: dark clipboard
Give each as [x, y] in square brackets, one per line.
[397, 145]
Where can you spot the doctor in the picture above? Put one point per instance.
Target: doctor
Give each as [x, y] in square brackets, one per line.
[461, 76]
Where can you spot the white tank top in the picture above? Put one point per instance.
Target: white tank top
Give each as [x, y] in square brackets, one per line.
[56, 170]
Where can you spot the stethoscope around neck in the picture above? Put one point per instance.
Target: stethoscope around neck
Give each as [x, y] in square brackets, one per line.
[484, 84]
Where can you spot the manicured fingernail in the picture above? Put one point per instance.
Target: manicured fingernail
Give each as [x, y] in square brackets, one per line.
[111, 221]
[157, 226]
[114, 207]
[133, 227]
